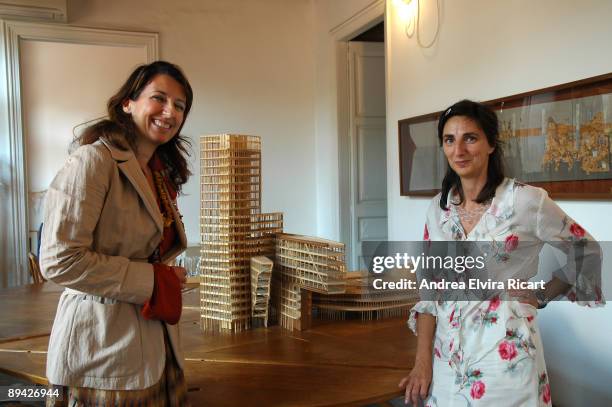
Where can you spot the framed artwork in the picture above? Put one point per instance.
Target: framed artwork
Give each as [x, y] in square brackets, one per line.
[558, 138]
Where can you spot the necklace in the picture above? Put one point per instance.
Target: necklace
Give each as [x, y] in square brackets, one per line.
[163, 197]
[469, 217]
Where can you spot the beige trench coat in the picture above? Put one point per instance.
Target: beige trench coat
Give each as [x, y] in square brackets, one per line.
[101, 223]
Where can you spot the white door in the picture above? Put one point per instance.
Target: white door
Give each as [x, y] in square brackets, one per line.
[368, 160]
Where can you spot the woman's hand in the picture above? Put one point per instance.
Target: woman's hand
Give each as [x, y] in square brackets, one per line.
[181, 274]
[417, 382]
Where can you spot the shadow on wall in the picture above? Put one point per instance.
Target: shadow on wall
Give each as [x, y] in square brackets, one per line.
[567, 345]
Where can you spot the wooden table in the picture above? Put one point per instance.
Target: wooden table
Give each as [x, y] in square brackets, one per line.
[339, 363]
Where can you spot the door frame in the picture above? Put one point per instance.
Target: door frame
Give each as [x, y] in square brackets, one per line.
[11, 115]
[342, 34]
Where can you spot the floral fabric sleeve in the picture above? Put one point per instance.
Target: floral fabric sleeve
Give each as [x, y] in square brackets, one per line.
[421, 307]
[584, 257]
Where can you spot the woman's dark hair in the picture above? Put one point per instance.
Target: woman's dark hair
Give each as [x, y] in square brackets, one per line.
[486, 119]
[120, 130]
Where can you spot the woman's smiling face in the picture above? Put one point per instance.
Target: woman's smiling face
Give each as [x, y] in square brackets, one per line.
[159, 110]
[466, 147]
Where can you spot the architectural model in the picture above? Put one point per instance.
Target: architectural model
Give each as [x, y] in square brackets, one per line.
[246, 261]
[305, 265]
[232, 229]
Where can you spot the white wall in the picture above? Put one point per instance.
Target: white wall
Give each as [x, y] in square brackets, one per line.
[488, 50]
[251, 65]
[266, 68]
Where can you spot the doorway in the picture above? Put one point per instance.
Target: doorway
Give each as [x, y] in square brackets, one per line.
[363, 200]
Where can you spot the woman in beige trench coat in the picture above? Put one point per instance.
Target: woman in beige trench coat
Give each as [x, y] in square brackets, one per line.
[111, 226]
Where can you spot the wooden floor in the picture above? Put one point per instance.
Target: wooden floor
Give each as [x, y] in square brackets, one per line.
[339, 363]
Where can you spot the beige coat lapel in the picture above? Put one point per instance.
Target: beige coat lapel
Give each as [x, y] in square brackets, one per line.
[127, 163]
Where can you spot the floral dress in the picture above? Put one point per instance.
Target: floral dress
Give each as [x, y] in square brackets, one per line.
[489, 353]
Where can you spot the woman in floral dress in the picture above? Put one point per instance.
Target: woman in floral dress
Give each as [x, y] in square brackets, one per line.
[489, 353]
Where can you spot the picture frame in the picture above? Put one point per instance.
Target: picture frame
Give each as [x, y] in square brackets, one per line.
[558, 138]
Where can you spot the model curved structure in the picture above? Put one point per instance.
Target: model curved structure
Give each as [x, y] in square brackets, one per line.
[261, 277]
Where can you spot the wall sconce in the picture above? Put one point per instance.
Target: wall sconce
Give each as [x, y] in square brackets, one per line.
[409, 12]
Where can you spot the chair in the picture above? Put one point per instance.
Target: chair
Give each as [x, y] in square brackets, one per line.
[37, 276]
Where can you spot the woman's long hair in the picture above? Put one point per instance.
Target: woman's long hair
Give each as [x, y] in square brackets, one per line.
[120, 130]
[486, 119]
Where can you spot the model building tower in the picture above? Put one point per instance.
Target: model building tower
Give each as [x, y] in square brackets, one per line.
[232, 229]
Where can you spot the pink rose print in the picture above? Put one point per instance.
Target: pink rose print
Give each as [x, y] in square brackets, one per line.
[511, 243]
[426, 234]
[494, 303]
[507, 350]
[437, 353]
[577, 230]
[546, 394]
[477, 390]
[454, 323]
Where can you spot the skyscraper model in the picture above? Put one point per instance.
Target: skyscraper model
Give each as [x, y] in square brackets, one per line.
[232, 229]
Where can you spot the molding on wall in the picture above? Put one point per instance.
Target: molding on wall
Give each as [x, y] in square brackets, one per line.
[362, 20]
[39, 11]
[11, 34]
[15, 177]
[21, 30]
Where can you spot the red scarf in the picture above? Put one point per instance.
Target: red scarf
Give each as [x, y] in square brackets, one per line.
[166, 301]
[169, 235]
